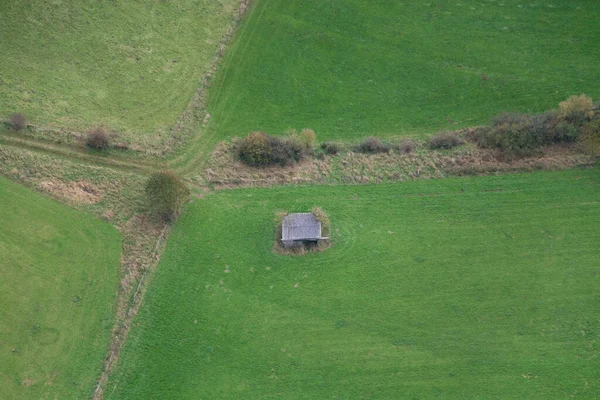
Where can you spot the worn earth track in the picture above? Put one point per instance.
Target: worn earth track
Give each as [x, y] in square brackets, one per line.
[75, 154]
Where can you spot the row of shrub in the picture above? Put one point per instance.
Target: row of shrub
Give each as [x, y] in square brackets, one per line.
[259, 149]
[518, 135]
[444, 140]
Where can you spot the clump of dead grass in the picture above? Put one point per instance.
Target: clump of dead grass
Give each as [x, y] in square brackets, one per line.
[79, 192]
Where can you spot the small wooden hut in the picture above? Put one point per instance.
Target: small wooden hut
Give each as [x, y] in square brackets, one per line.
[300, 229]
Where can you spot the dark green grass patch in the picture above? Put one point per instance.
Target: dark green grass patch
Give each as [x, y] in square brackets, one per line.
[356, 68]
[59, 272]
[130, 65]
[459, 288]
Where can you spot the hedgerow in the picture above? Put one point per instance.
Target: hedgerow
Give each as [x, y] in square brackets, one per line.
[446, 140]
[519, 135]
[372, 145]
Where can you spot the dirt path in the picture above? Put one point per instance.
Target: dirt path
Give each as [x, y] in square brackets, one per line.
[72, 153]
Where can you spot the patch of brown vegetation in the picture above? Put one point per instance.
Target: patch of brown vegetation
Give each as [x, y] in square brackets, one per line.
[301, 250]
[80, 191]
[108, 215]
[27, 382]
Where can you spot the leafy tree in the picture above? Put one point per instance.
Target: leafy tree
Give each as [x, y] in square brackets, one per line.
[255, 149]
[166, 194]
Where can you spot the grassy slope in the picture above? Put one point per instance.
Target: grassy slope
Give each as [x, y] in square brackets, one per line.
[132, 65]
[355, 67]
[444, 288]
[58, 280]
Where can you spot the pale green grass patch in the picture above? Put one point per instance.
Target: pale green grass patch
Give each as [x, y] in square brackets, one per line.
[132, 66]
[59, 273]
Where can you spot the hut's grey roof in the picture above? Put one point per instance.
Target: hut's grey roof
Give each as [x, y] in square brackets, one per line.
[301, 226]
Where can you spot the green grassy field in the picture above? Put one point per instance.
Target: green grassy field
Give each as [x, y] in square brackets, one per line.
[353, 68]
[460, 288]
[59, 272]
[130, 65]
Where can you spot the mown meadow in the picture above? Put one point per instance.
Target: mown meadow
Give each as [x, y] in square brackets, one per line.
[131, 66]
[349, 69]
[480, 287]
[475, 287]
[59, 274]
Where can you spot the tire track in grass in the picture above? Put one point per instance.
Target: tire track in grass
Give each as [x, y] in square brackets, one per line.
[66, 152]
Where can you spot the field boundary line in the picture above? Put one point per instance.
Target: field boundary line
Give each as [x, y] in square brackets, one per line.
[154, 252]
[195, 111]
[122, 326]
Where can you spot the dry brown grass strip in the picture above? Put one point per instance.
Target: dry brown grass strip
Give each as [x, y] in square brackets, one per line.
[224, 171]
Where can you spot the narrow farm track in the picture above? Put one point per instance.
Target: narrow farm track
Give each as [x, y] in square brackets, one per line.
[191, 160]
[123, 163]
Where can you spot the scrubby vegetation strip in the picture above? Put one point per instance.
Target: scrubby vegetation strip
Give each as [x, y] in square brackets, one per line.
[552, 140]
[107, 159]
